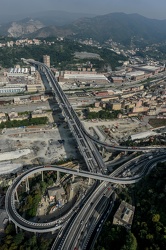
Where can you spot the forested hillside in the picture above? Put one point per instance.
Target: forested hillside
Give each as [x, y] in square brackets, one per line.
[149, 226]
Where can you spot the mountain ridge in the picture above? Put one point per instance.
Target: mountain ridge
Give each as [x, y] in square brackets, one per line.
[118, 26]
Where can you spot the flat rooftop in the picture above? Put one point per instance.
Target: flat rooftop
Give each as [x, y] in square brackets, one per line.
[85, 76]
[124, 214]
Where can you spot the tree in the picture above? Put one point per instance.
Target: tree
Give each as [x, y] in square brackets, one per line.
[8, 239]
[156, 218]
[10, 228]
[142, 234]
[50, 182]
[43, 186]
[13, 246]
[4, 247]
[45, 244]
[149, 237]
[33, 241]
[29, 202]
[131, 242]
[19, 238]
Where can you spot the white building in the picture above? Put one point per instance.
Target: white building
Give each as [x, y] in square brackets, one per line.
[33, 70]
[15, 72]
[9, 90]
[85, 77]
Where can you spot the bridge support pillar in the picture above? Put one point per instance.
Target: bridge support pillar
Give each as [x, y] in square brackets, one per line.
[73, 178]
[16, 193]
[42, 69]
[42, 175]
[16, 229]
[58, 177]
[89, 181]
[103, 152]
[27, 185]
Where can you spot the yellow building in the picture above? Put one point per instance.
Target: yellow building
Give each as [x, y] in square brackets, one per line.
[35, 87]
[116, 106]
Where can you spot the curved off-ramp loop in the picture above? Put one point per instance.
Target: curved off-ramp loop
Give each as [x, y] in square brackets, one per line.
[119, 148]
[18, 220]
[54, 225]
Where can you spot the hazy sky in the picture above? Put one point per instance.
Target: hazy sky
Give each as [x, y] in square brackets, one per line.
[149, 8]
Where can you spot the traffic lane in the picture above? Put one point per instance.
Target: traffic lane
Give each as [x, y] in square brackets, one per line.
[74, 229]
[96, 218]
[95, 206]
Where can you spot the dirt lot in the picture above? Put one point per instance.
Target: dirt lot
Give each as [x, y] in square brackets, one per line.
[117, 129]
[46, 144]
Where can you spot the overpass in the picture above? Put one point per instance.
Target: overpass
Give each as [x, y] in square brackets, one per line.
[121, 148]
[54, 225]
[12, 197]
[86, 146]
[84, 139]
